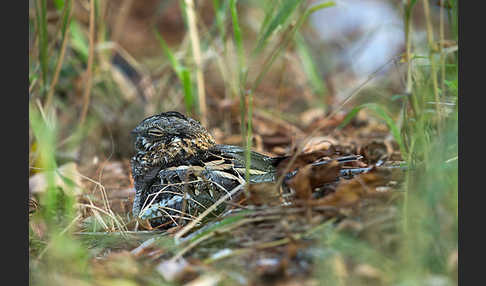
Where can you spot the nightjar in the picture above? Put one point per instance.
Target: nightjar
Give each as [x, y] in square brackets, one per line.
[179, 170]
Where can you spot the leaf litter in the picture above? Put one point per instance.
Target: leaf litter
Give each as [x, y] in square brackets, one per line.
[266, 238]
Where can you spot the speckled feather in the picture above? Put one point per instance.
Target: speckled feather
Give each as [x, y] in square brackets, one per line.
[179, 171]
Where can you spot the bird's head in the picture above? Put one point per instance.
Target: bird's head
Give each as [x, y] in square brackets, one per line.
[169, 129]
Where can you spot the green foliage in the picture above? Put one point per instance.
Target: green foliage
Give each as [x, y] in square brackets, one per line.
[428, 143]
[310, 68]
[278, 19]
[41, 21]
[220, 11]
[79, 42]
[182, 73]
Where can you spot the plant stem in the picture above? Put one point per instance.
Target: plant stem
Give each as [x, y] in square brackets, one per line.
[196, 51]
[89, 69]
[433, 69]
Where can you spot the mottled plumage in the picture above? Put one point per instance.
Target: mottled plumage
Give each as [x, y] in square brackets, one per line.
[179, 171]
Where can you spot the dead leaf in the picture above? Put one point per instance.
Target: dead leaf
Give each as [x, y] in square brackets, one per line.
[264, 194]
[350, 192]
[301, 183]
[310, 177]
[374, 151]
[322, 143]
[311, 115]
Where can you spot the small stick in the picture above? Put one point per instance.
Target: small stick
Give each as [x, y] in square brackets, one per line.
[59, 61]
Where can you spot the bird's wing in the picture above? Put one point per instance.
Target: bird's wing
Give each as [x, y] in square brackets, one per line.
[262, 167]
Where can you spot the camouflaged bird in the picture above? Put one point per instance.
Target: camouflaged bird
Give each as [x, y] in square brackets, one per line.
[179, 170]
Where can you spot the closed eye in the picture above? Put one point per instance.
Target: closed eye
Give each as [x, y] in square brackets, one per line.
[155, 132]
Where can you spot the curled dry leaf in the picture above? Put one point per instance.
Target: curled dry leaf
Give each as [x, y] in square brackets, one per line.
[322, 143]
[312, 115]
[264, 194]
[350, 192]
[374, 151]
[301, 183]
[310, 177]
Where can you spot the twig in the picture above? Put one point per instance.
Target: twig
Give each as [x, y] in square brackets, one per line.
[59, 61]
[120, 19]
[87, 89]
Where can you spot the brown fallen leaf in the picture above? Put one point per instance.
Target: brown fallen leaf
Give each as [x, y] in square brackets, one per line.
[301, 160]
[322, 143]
[374, 151]
[350, 192]
[301, 183]
[310, 177]
[264, 194]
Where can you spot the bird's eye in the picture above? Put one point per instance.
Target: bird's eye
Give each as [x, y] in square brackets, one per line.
[155, 132]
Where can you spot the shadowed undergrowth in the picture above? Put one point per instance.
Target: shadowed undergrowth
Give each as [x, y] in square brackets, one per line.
[251, 75]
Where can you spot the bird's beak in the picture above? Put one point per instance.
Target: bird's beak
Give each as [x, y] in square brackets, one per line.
[135, 131]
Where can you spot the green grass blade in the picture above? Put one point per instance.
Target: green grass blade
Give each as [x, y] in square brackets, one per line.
[188, 91]
[310, 68]
[238, 37]
[246, 110]
[182, 73]
[241, 61]
[280, 19]
[41, 15]
[287, 37]
[219, 11]
[65, 18]
[79, 42]
[269, 8]
[176, 66]
[45, 139]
